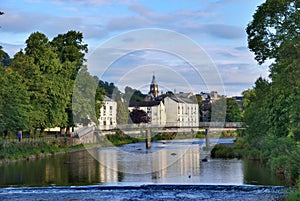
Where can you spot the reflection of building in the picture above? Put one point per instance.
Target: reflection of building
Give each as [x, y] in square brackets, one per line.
[108, 114]
[179, 110]
[108, 166]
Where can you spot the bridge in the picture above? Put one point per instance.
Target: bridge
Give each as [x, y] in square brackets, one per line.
[92, 134]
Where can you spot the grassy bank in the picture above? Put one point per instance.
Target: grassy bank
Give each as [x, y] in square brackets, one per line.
[119, 138]
[27, 150]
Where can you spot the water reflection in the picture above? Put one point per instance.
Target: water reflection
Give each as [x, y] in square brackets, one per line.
[167, 163]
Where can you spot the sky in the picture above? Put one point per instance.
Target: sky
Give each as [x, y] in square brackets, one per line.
[215, 27]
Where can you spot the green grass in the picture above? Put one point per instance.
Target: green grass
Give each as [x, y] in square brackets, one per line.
[120, 138]
[25, 150]
[225, 152]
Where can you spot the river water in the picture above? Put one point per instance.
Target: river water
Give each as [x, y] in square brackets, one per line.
[168, 163]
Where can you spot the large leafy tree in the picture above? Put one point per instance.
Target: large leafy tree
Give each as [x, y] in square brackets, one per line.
[83, 99]
[15, 108]
[274, 22]
[274, 34]
[70, 49]
[42, 71]
[233, 113]
[256, 109]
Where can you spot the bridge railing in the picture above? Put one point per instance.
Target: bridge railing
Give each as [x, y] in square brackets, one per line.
[221, 124]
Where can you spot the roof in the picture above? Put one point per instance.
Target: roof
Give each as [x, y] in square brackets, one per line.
[182, 99]
[160, 98]
[106, 98]
[144, 103]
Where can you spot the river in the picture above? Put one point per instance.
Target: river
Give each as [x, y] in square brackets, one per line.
[166, 163]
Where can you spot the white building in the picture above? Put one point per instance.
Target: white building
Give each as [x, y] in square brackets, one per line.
[108, 114]
[169, 110]
[181, 112]
[155, 110]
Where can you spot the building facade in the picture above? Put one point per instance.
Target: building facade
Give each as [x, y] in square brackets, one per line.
[108, 114]
[169, 110]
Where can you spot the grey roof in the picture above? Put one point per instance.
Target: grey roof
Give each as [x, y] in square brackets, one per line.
[143, 103]
[106, 98]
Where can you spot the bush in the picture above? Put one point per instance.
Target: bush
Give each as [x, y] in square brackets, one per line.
[119, 138]
[222, 151]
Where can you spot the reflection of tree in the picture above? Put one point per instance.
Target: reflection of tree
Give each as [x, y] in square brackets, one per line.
[139, 116]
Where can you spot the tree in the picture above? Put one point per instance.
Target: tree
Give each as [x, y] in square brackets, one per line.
[256, 104]
[274, 22]
[15, 108]
[122, 113]
[274, 34]
[83, 99]
[233, 113]
[100, 92]
[139, 116]
[70, 50]
[133, 95]
[4, 58]
[49, 87]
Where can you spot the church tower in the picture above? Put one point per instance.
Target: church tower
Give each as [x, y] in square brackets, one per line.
[153, 87]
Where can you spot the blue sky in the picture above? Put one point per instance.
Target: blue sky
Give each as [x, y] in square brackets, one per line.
[217, 26]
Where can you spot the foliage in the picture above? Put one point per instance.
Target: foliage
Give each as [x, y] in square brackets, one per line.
[100, 92]
[119, 138]
[139, 116]
[83, 103]
[256, 108]
[4, 58]
[233, 113]
[274, 22]
[70, 50]
[218, 110]
[272, 111]
[113, 92]
[133, 95]
[37, 84]
[122, 113]
[15, 108]
[109, 88]
[164, 136]
[222, 151]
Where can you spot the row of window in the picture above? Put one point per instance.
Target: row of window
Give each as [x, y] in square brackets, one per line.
[110, 110]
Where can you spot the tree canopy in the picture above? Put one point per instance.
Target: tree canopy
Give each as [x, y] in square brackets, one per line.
[274, 22]
[138, 116]
[274, 33]
[37, 83]
[271, 108]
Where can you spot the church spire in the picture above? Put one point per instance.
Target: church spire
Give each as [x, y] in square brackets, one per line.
[154, 87]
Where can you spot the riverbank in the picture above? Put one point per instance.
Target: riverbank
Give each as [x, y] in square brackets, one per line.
[272, 155]
[16, 151]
